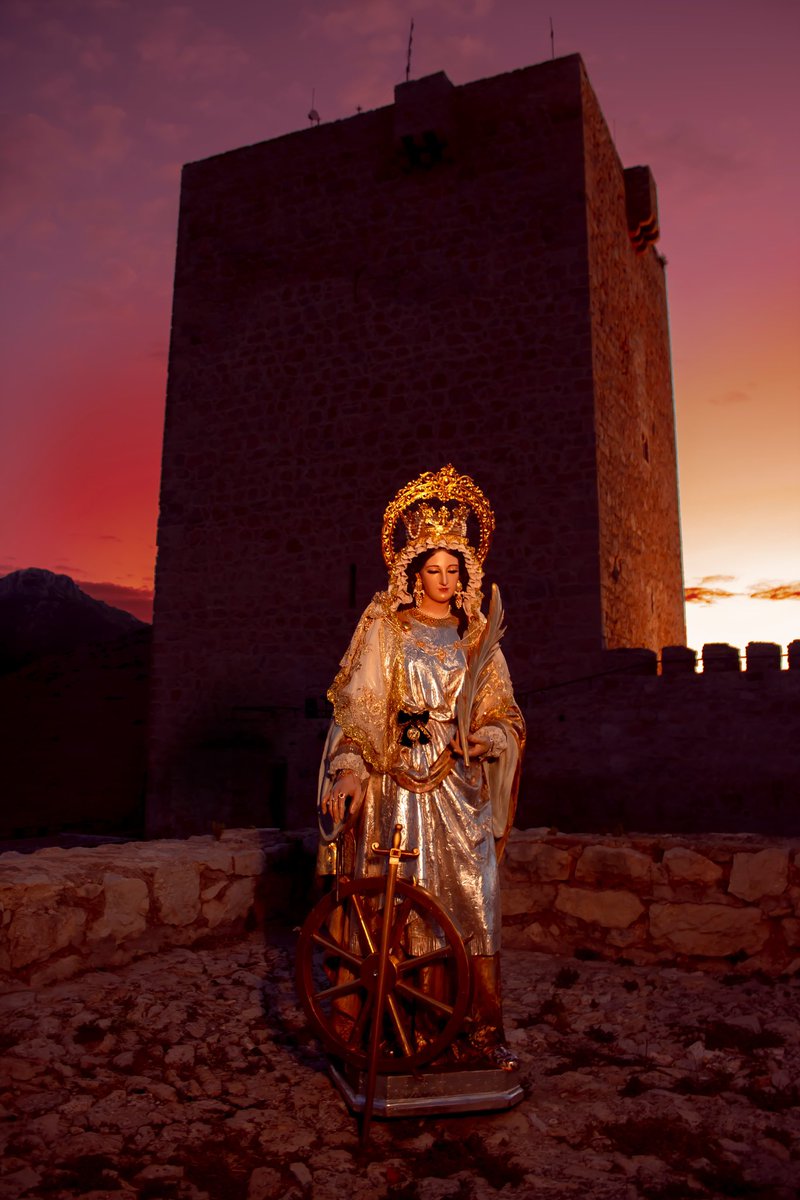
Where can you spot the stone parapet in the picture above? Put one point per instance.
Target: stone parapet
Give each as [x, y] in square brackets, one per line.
[708, 901]
[63, 912]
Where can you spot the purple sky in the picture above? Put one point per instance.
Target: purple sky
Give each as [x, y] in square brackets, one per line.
[103, 100]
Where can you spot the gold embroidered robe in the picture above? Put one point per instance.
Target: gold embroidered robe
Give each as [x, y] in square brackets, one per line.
[401, 663]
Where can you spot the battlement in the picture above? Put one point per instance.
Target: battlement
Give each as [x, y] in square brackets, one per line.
[716, 658]
[639, 740]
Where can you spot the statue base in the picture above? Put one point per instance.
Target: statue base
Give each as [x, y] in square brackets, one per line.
[479, 1089]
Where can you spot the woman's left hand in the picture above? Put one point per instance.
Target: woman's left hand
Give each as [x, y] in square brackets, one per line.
[475, 745]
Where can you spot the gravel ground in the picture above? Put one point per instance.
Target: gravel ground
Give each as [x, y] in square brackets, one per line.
[191, 1075]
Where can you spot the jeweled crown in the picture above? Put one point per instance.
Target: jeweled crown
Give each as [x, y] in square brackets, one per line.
[425, 521]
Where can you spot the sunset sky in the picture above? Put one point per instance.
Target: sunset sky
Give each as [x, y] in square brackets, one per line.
[103, 100]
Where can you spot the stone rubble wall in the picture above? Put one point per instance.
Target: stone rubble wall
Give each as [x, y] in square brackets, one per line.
[707, 901]
[63, 912]
[644, 741]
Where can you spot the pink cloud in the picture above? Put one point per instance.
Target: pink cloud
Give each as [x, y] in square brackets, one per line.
[32, 151]
[731, 397]
[367, 17]
[186, 47]
[468, 49]
[363, 18]
[776, 591]
[110, 142]
[95, 55]
[705, 595]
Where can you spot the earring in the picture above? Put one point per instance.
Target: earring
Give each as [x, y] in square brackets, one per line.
[418, 592]
[458, 596]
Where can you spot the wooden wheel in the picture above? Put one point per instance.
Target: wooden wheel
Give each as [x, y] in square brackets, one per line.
[337, 968]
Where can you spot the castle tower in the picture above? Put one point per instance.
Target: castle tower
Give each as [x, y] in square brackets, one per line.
[464, 276]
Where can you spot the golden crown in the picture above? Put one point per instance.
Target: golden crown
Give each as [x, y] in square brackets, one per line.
[426, 523]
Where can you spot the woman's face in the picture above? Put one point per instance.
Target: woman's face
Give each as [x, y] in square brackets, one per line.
[439, 576]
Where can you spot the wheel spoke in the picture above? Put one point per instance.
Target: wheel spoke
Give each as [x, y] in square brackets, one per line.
[399, 924]
[400, 1029]
[412, 993]
[425, 960]
[356, 1034]
[342, 952]
[339, 990]
[362, 924]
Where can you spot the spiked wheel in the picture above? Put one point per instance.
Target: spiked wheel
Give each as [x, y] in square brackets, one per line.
[337, 966]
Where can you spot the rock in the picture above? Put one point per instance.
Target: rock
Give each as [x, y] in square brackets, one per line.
[126, 905]
[18, 1069]
[19, 1182]
[437, 1189]
[765, 873]
[232, 905]
[160, 1173]
[301, 1174]
[213, 889]
[687, 866]
[530, 899]
[180, 1056]
[248, 862]
[57, 970]
[611, 909]
[541, 861]
[715, 930]
[601, 863]
[264, 1184]
[37, 933]
[176, 889]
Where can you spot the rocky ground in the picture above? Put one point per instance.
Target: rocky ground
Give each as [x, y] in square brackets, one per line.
[190, 1075]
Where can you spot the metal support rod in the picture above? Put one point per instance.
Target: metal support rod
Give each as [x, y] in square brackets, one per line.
[396, 855]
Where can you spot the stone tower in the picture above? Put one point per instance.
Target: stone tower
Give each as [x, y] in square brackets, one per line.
[464, 276]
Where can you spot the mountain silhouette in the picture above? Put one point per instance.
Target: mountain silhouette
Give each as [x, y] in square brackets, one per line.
[44, 613]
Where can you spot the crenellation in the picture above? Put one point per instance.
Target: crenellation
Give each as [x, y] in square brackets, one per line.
[678, 660]
[719, 657]
[679, 751]
[793, 655]
[763, 656]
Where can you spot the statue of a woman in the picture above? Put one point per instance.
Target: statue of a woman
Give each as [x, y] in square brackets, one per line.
[393, 754]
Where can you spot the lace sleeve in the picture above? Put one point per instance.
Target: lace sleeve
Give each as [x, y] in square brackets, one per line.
[497, 738]
[347, 760]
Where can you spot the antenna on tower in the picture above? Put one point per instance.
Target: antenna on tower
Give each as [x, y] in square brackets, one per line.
[552, 40]
[313, 115]
[410, 40]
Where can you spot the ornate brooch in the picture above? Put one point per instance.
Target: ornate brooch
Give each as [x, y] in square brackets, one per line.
[412, 728]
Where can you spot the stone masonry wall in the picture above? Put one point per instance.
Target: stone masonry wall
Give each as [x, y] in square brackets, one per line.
[355, 303]
[641, 577]
[619, 746]
[709, 902]
[704, 901]
[63, 912]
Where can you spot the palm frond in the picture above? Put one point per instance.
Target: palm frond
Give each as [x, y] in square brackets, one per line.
[478, 663]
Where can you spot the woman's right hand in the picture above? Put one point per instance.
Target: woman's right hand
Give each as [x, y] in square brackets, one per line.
[346, 787]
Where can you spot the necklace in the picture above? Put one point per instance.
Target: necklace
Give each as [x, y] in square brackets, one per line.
[424, 618]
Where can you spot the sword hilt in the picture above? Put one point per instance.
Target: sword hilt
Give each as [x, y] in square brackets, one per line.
[395, 852]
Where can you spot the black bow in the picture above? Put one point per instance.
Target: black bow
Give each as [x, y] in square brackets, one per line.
[412, 728]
